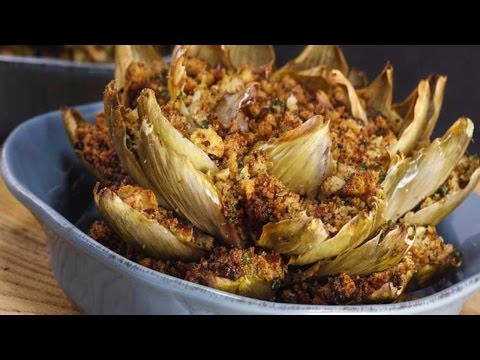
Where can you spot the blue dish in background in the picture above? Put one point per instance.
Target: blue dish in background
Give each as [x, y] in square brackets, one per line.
[30, 86]
[41, 171]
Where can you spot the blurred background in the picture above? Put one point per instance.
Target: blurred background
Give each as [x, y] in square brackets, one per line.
[34, 83]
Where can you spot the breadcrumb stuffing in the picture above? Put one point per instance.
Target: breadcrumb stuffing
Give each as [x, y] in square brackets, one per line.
[457, 180]
[346, 289]
[432, 256]
[96, 145]
[384, 286]
[253, 197]
[230, 264]
[145, 201]
[140, 76]
[209, 141]
[428, 258]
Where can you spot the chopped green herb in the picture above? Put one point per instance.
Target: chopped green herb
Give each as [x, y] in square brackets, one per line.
[276, 284]
[246, 259]
[233, 273]
[444, 190]
[205, 124]
[159, 78]
[381, 176]
[278, 105]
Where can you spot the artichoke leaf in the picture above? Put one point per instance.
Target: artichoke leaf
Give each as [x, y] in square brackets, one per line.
[390, 292]
[358, 78]
[322, 98]
[433, 214]
[377, 254]
[404, 109]
[229, 106]
[234, 56]
[301, 156]
[177, 72]
[187, 190]
[378, 95]
[72, 119]
[256, 56]
[212, 54]
[116, 117]
[142, 232]
[247, 285]
[293, 236]
[111, 101]
[170, 137]
[402, 113]
[428, 274]
[126, 54]
[412, 134]
[352, 234]
[328, 56]
[356, 108]
[396, 170]
[314, 79]
[423, 174]
[437, 83]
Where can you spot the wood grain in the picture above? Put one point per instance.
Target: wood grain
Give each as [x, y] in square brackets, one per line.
[27, 284]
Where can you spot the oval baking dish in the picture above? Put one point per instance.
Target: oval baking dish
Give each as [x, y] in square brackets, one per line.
[42, 172]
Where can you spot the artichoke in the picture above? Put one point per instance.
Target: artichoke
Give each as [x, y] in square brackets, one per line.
[135, 216]
[309, 161]
[73, 120]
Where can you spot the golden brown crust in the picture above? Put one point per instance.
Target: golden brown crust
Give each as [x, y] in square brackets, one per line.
[97, 148]
[145, 201]
[253, 197]
[457, 180]
[347, 289]
[140, 76]
[230, 264]
[384, 286]
[428, 258]
[432, 256]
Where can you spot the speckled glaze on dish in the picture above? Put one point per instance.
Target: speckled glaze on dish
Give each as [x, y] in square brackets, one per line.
[41, 170]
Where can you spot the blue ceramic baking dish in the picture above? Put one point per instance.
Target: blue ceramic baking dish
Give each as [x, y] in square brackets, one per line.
[41, 171]
[23, 93]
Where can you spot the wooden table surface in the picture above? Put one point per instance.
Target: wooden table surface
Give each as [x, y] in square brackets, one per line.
[27, 283]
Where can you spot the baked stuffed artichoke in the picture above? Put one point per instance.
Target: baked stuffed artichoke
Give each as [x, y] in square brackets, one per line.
[302, 184]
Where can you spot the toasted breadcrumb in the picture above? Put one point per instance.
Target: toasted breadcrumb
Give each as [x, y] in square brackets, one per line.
[96, 145]
[457, 180]
[230, 264]
[348, 289]
[252, 197]
[387, 285]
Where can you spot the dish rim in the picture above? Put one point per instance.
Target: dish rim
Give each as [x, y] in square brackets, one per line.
[74, 236]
